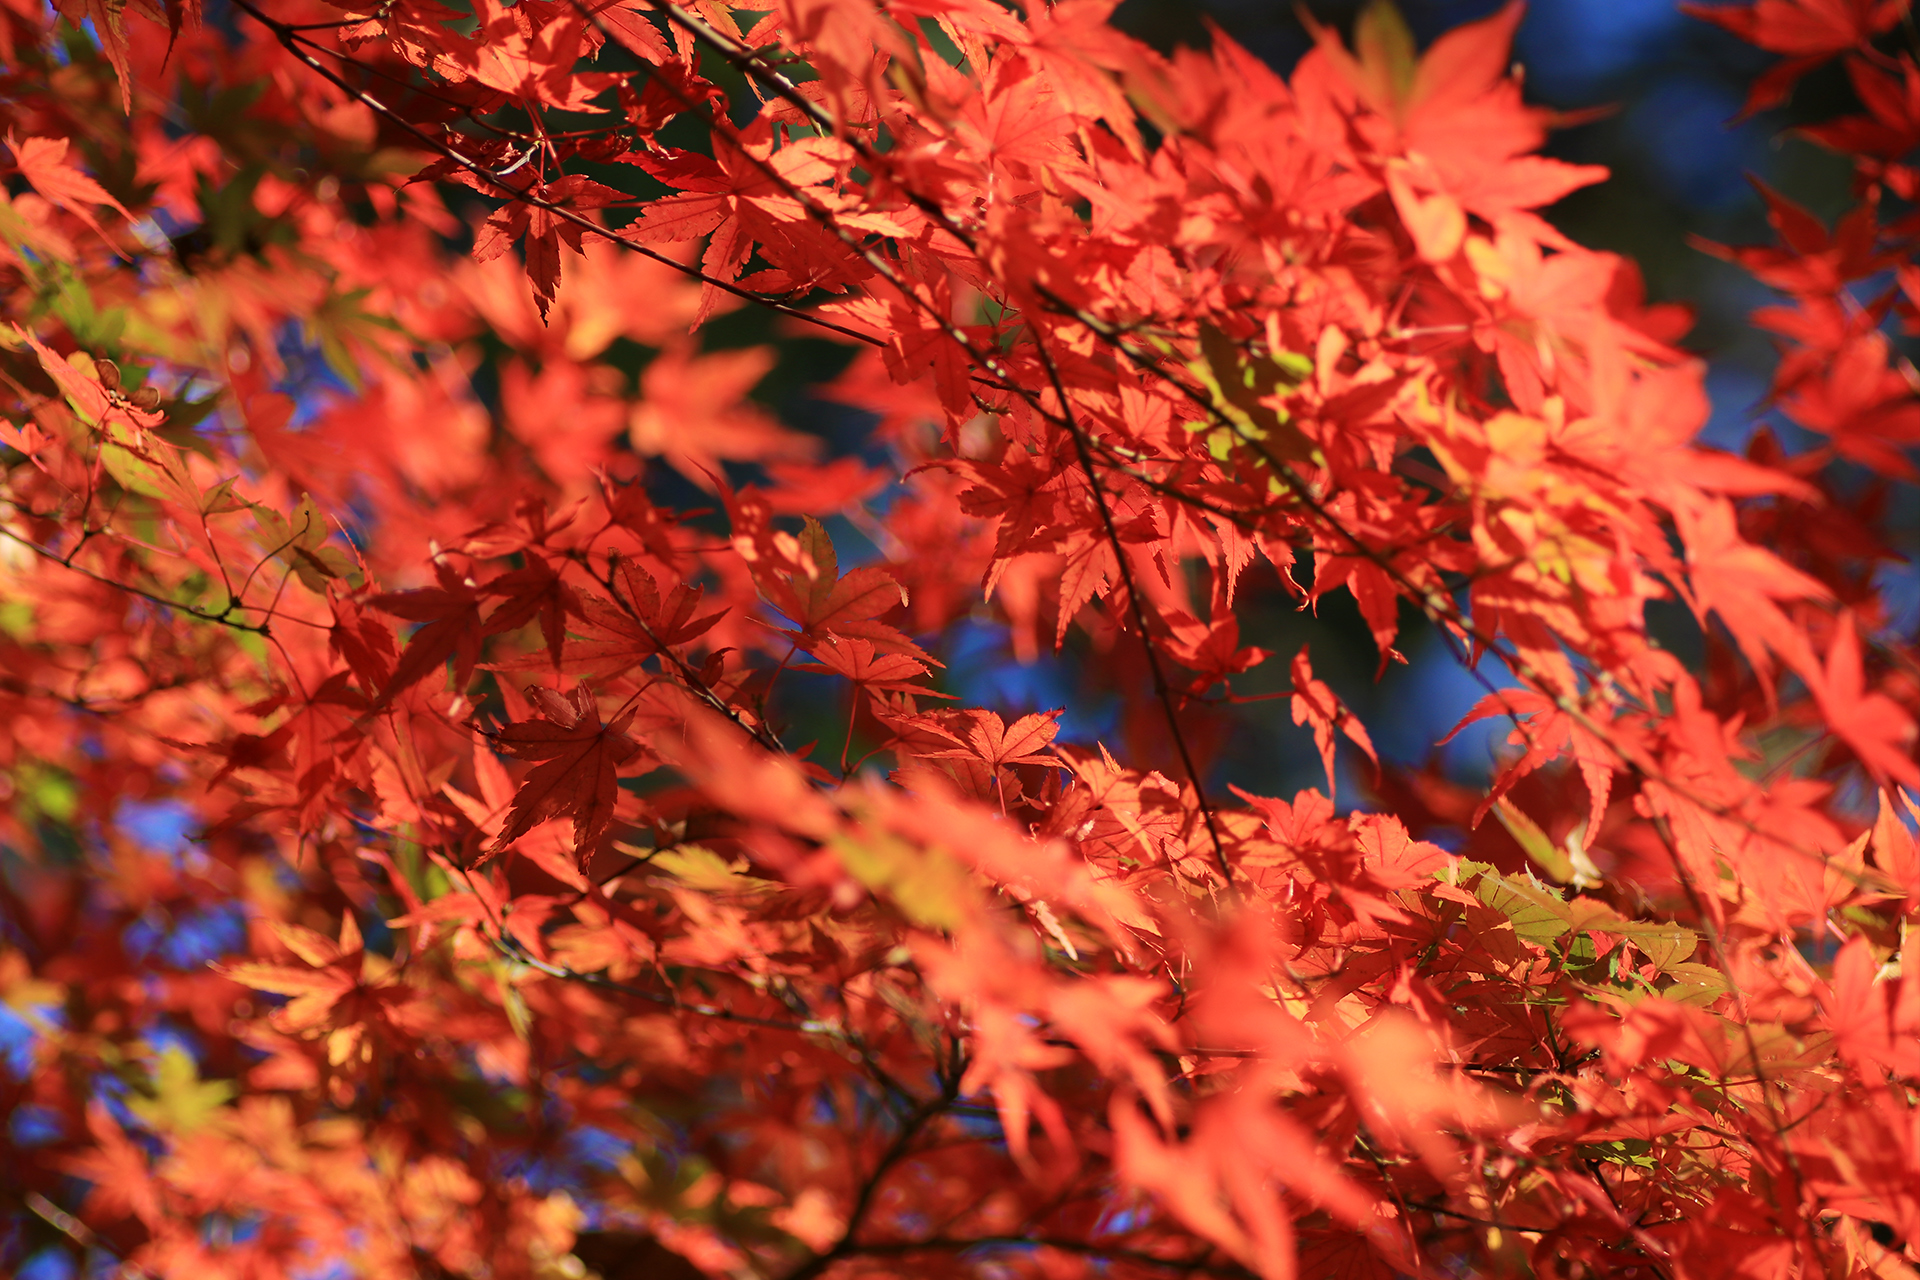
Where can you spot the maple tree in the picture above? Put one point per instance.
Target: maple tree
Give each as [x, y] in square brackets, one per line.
[411, 620]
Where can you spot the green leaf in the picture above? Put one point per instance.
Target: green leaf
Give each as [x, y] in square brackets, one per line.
[1665, 945]
[930, 887]
[181, 1101]
[1663, 942]
[1238, 385]
[1699, 984]
[513, 1002]
[53, 794]
[703, 869]
[1538, 914]
[1527, 833]
[134, 472]
[1581, 951]
[1637, 1152]
[1385, 42]
[302, 543]
[817, 544]
[1461, 872]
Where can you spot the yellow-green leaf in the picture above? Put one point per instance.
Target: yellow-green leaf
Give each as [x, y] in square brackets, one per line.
[1385, 45]
[1663, 942]
[1238, 387]
[182, 1102]
[929, 886]
[301, 542]
[1699, 984]
[1527, 833]
[1538, 914]
[703, 869]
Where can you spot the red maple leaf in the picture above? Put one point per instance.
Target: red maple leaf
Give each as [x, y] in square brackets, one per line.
[43, 163]
[1545, 731]
[531, 591]
[620, 634]
[452, 614]
[1877, 728]
[1808, 31]
[982, 735]
[1804, 28]
[826, 604]
[861, 663]
[577, 774]
[1316, 704]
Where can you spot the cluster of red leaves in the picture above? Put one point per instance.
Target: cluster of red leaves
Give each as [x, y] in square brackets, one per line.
[537, 949]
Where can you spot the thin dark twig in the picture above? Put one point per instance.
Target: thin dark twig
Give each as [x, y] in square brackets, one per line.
[760, 731]
[80, 1233]
[515, 950]
[1160, 687]
[223, 618]
[895, 1152]
[1768, 1086]
[292, 44]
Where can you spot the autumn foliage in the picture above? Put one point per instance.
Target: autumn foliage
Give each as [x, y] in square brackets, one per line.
[412, 618]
